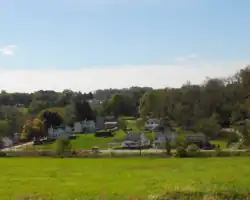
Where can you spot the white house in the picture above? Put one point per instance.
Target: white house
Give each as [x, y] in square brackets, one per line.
[6, 142]
[59, 131]
[16, 138]
[135, 140]
[78, 127]
[162, 137]
[88, 126]
[151, 124]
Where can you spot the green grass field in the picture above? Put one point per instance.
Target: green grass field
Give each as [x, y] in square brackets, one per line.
[118, 179]
[87, 141]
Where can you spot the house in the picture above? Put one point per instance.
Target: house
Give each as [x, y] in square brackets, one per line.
[110, 119]
[162, 137]
[164, 133]
[86, 126]
[99, 122]
[89, 126]
[78, 128]
[200, 139]
[59, 131]
[134, 139]
[6, 142]
[152, 124]
[16, 138]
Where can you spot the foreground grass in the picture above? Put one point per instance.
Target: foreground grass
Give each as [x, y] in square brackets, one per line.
[119, 179]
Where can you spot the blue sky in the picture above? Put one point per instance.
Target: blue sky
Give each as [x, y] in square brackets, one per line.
[90, 37]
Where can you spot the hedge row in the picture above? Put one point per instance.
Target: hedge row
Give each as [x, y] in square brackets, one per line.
[83, 154]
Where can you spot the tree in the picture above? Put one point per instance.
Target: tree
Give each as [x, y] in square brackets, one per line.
[4, 128]
[38, 129]
[62, 146]
[33, 128]
[51, 119]
[83, 111]
[26, 129]
[152, 104]
[140, 124]
[121, 105]
[14, 117]
[122, 123]
[36, 106]
[209, 127]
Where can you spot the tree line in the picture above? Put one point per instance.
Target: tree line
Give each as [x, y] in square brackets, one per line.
[214, 104]
[32, 114]
[217, 103]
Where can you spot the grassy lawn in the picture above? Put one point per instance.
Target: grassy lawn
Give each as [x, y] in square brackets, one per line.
[24, 110]
[118, 179]
[222, 143]
[87, 141]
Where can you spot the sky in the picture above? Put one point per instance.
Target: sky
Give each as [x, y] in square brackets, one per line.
[86, 45]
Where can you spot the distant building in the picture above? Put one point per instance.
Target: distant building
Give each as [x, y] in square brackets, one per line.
[6, 142]
[134, 139]
[59, 131]
[99, 122]
[86, 126]
[110, 119]
[152, 124]
[197, 138]
[16, 138]
[162, 137]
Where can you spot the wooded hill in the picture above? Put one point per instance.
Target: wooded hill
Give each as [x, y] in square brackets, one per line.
[218, 102]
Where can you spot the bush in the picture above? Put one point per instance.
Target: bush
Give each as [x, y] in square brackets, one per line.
[74, 152]
[168, 147]
[180, 152]
[23, 138]
[62, 146]
[193, 150]
[95, 150]
[217, 151]
[2, 154]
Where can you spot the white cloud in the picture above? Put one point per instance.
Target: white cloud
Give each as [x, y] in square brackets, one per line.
[187, 58]
[90, 79]
[8, 50]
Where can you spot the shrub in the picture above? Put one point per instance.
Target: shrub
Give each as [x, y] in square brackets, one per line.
[23, 138]
[95, 150]
[168, 147]
[217, 151]
[74, 152]
[193, 150]
[62, 146]
[180, 152]
[2, 154]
